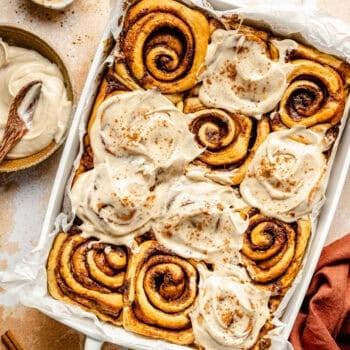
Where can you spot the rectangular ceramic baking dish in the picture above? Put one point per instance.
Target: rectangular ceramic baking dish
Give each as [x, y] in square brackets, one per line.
[336, 182]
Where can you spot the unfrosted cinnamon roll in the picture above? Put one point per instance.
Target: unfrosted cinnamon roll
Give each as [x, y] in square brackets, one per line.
[229, 313]
[316, 90]
[88, 273]
[162, 291]
[230, 140]
[164, 44]
[273, 250]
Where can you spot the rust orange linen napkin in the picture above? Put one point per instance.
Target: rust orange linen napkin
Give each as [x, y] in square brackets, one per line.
[323, 322]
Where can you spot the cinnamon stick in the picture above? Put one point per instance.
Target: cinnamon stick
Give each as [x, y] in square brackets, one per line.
[10, 341]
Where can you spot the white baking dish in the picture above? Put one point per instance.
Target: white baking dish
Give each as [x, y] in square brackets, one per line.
[29, 278]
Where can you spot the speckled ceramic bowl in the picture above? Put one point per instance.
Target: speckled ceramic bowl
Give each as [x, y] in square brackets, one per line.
[22, 38]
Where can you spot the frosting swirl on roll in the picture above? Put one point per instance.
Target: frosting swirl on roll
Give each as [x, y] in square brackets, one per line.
[18, 67]
[142, 128]
[229, 313]
[201, 220]
[240, 77]
[284, 180]
[112, 207]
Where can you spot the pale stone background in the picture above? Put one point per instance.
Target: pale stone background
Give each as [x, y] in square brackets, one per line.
[74, 33]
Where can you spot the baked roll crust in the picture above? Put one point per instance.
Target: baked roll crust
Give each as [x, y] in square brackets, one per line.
[162, 290]
[230, 139]
[273, 250]
[165, 44]
[88, 273]
[317, 87]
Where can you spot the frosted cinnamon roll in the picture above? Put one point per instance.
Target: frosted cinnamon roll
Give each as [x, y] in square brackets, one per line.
[161, 294]
[316, 90]
[111, 85]
[201, 220]
[273, 250]
[285, 178]
[229, 140]
[240, 76]
[110, 207]
[88, 273]
[164, 44]
[229, 313]
[143, 130]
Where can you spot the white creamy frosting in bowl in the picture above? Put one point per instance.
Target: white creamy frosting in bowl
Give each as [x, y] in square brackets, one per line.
[285, 178]
[54, 4]
[27, 59]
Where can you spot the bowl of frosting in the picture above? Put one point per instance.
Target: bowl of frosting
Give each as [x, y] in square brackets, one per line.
[54, 4]
[25, 59]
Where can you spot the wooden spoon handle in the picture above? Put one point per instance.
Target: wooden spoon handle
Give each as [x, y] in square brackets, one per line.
[11, 138]
[16, 127]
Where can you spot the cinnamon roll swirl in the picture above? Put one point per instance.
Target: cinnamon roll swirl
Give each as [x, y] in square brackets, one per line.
[229, 313]
[164, 44]
[88, 273]
[273, 250]
[162, 291]
[230, 140]
[316, 90]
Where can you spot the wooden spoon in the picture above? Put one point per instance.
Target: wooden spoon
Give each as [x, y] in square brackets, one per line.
[20, 116]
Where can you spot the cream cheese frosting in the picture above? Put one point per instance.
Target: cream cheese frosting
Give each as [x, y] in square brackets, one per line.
[18, 67]
[240, 77]
[134, 138]
[285, 178]
[201, 220]
[230, 311]
[143, 128]
[111, 206]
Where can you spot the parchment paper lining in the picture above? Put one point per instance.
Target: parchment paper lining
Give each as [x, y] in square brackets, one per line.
[29, 277]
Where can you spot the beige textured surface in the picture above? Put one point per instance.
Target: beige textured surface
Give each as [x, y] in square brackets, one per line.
[74, 33]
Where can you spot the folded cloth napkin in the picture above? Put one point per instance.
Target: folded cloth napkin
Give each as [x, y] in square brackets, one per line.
[323, 322]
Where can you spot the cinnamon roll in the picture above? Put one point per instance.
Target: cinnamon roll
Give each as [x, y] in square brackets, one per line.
[230, 140]
[111, 85]
[273, 250]
[110, 207]
[162, 291]
[141, 130]
[229, 313]
[285, 180]
[241, 75]
[202, 220]
[164, 44]
[316, 90]
[88, 273]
